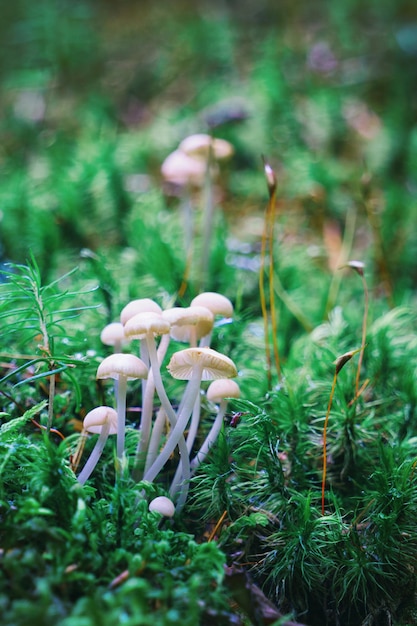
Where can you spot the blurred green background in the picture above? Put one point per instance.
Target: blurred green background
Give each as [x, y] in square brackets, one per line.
[94, 95]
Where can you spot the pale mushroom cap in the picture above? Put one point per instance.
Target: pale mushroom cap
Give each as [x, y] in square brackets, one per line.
[138, 306]
[183, 318]
[181, 169]
[223, 388]
[216, 302]
[214, 364]
[162, 505]
[146, 323]
[117, 365]
[199, 145]
[112, 334]
[96, 418]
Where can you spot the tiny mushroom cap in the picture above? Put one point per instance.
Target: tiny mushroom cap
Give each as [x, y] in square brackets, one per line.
[358, 266]
[186, 320]
[181, 169]
[222, 388]
[96, 418]
[113, 334]
[200, 144]
[213, 364]
[146, 323]
[138, 306]
[162, 505]
[126, 365]
[216, 302]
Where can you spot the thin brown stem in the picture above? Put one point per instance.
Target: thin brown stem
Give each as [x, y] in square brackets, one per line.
[326, 421]
[268, 242]
[271, 222]
[262, 297]
[339, 365]
[364, 327]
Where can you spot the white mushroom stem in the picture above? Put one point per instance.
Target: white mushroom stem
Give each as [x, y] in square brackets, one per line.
[211, 436]
[155, 439]
[144, 355]
[177, 432]
[95, 454]
[148, 397]
[208, 215]
[192, 433]
[195, 421]
[121, 415]
[200, 456]
[188, 220]
[166, 405]
[122, 367]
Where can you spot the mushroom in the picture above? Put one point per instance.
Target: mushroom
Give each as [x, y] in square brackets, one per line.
[162, 505]
[189, 324]
[183, 173]
[145, 326]
[201, 145]
[121, 367]
[183, 169]
[210, 150]
[140, 305]
[219, 392]
[217, 304]
[194, 365]
[113, 335]
[101, 420]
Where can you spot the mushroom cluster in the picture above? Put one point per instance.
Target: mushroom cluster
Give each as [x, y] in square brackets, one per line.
[167, 431]
[191, 173]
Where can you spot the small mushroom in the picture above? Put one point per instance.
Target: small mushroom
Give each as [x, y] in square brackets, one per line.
[189, 324]
[113, 335]
[218, 304]
[219, 392]
[194, 365]
[162, 505]
[101, 420]
[141, 305]
[201, 145]
[183, 169]
[121, 367]
[210, 150]
[146, 326]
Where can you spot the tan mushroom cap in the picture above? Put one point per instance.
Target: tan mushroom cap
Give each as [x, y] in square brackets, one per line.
[96, 418]
[181, 169]
[216, 302]
[142, 324]
[223, 388]
[199, 145]
[162, 505]
[138, 306]
[214, 364]
[183, 318]
[113, 334]
[118, 364]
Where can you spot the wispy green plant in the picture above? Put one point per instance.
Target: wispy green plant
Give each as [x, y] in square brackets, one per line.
[35, 316]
